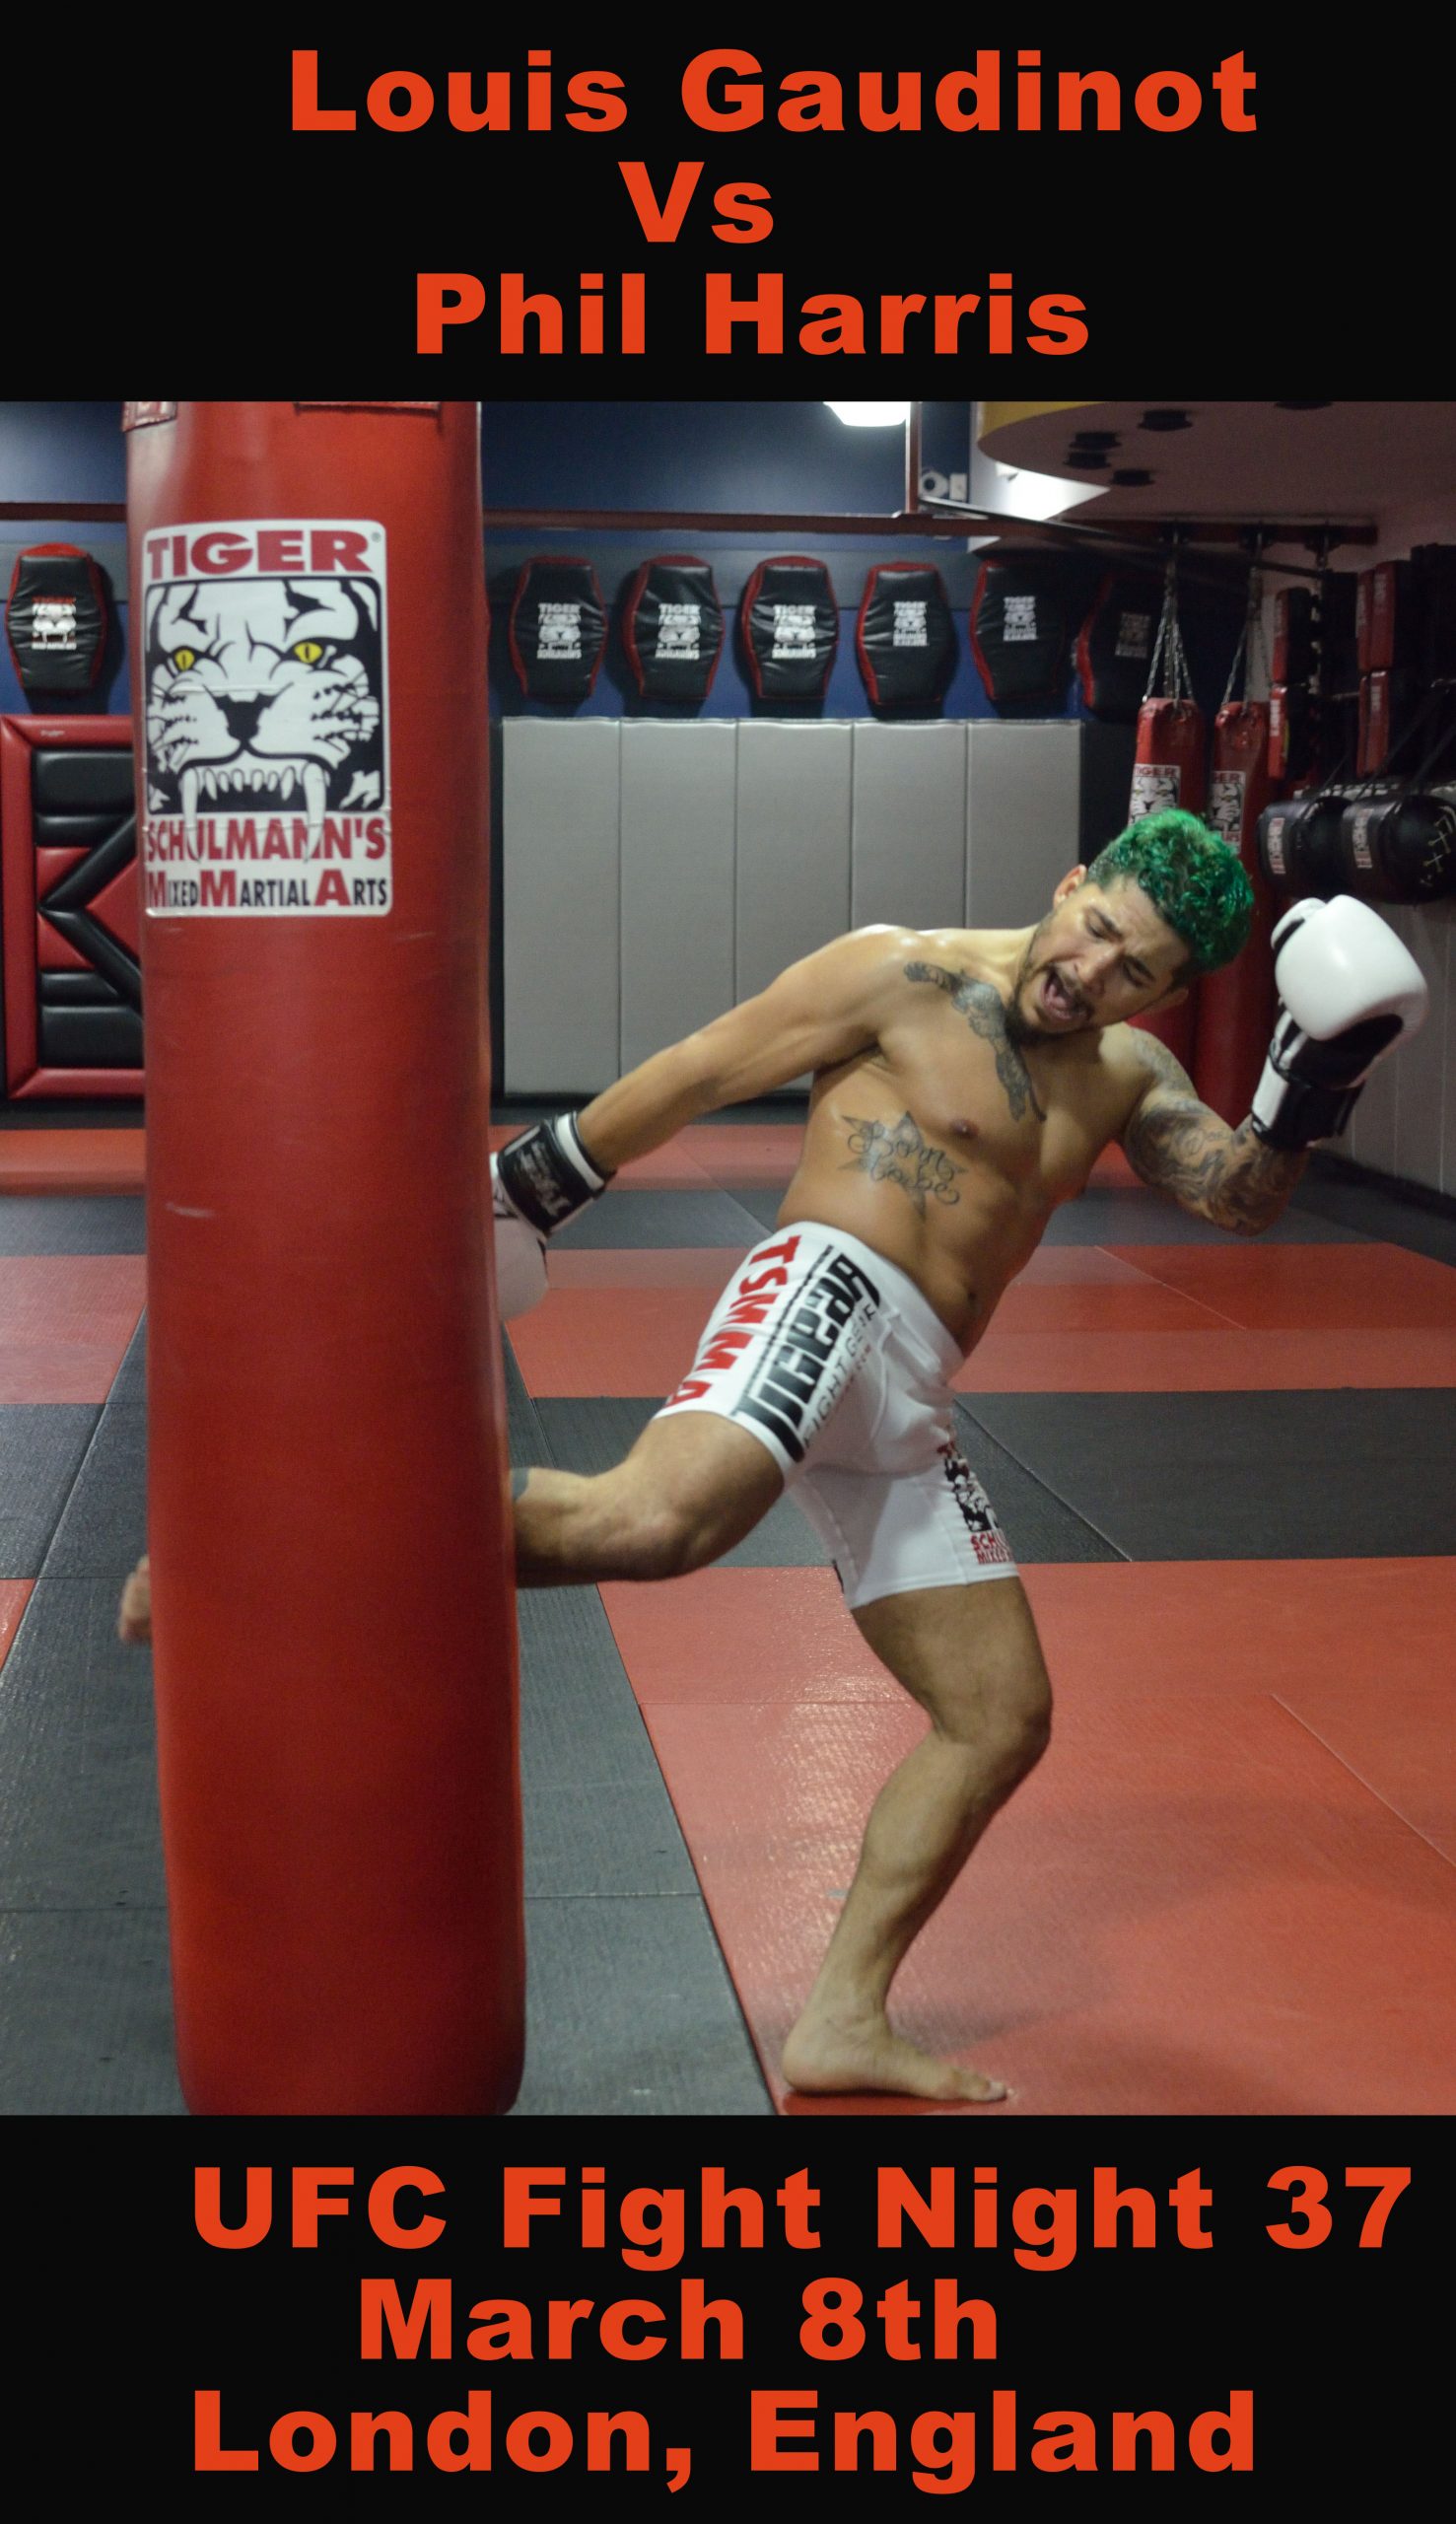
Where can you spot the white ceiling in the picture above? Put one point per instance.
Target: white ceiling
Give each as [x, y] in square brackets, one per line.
[1244, 460]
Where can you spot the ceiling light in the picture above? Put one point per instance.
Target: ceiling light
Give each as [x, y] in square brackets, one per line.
[870, 416]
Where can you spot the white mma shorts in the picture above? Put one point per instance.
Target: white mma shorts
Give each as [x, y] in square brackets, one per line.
[834, 1361]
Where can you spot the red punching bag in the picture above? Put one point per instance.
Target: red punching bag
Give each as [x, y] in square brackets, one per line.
[333, 1619]
[1168, 771]
[1237, 1004]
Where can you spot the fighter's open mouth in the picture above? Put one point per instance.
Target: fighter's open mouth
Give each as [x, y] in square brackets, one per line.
[1058, 1000]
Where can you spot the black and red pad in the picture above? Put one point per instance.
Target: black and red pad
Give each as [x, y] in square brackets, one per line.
[558, 629]
[790, 622]
[57, 619]
[904, 637]
[1022, 630]
[1399, 846]
[673, 628]
[333, 1620]
[1114, 647]
[1302, 847]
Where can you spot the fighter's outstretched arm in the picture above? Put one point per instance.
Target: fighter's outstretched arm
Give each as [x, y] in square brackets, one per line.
[819, 1012]
[1180, 1146]
[816, 1012]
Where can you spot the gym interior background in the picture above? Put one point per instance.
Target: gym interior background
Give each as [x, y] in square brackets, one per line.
[655, 860]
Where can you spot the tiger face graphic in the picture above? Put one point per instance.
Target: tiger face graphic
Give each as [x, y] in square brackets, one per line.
[262, 697]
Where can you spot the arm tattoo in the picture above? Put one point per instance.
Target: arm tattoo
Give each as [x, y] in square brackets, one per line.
[983, 1011]
[898, 1153]
[1178, 1145]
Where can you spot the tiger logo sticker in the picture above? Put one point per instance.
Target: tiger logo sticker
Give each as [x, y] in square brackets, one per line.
[265, 753]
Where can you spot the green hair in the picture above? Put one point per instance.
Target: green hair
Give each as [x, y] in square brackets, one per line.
[1191, 878]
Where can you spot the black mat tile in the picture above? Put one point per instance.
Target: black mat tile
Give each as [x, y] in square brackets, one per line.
[630, 2014]
[763, 1202]
[515, 1112]
[1037, 1522]
[1117, 1214]
[591, 1435]
[524, 1438]
[79, 1823]
[72, 1223]
[587, 1840]
[1371, 1209]
[650, 1221]
[104, 1527]
[41, 1448]
[129, 1390]
[85, 2013]
[578, 1718]
[1244, 1476]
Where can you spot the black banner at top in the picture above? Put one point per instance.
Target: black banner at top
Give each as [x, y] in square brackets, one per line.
[754, 208]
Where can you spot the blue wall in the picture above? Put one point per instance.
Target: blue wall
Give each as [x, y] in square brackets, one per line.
[757, 457]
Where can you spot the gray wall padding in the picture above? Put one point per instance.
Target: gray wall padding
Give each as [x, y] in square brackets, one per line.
[679, 796]
[909, 824]
[1021, 817]
[794, 844]
[561, 878]
[656, 872]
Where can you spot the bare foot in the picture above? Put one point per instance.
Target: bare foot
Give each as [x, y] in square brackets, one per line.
[825, 2057]
[134, 1622]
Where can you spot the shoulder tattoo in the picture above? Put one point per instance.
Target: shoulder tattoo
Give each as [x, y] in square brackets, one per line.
[983, 1011]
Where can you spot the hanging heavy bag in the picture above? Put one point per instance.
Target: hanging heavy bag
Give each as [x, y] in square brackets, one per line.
[1168, 771]
[333, 1606]
[1236, 1004]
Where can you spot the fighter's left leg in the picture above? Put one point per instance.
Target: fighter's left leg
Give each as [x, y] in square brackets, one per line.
[970, 1655]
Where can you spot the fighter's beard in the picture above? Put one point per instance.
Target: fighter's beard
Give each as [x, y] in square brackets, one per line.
[1019, 1032]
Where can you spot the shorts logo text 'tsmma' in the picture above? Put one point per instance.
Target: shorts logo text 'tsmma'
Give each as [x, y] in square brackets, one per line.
[813, 1338]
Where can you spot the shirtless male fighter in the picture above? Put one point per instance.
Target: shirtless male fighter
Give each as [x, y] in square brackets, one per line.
[964, 1081]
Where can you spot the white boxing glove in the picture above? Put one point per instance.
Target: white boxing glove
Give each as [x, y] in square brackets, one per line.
[537, 1182]
[1349, 992]
[520, 1256]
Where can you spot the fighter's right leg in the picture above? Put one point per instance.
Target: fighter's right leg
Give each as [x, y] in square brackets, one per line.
[692, 1487]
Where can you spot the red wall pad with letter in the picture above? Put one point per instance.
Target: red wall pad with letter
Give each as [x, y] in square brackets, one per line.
[673, 628]
[789, 622]
[73, 988]
[905, 637]
[558, 629]
[332, 1603]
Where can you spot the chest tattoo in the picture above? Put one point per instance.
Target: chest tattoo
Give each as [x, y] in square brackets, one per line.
[983, 1011]
[899, 1152]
